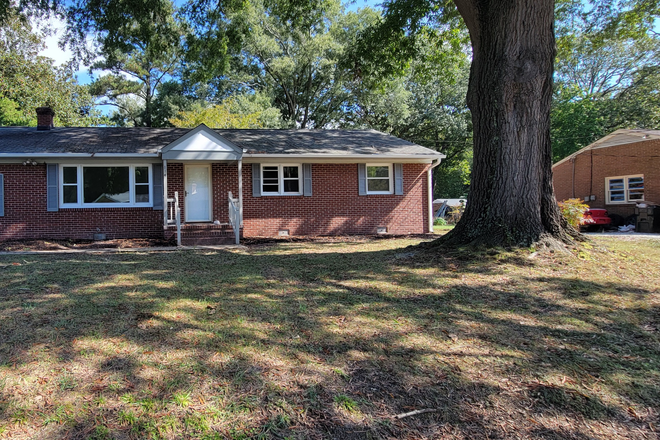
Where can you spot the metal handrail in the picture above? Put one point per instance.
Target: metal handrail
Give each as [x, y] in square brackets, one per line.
[235, 217]
[174, 215]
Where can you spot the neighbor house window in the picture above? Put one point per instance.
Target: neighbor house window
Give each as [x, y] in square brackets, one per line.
[379, 179]
[102, 186]
[625, 189]
[281, 180]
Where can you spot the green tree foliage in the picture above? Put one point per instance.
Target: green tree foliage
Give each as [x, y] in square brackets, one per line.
[606, 71]
[28, 81]
[298, 61]
[141, 52]
[237, 112]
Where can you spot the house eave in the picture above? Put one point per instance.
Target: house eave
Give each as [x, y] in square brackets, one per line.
[77, 155]
[342, 158]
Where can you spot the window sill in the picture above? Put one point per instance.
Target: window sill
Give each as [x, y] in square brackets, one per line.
[104, 208]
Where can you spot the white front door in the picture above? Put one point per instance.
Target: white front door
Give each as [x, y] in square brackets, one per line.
[198, 193]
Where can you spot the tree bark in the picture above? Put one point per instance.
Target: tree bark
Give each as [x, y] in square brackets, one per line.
[511, 200]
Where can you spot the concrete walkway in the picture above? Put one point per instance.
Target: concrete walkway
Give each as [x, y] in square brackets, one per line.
[124, 250]
[624, 235]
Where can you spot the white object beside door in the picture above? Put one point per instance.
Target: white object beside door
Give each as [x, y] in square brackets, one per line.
[198, 193]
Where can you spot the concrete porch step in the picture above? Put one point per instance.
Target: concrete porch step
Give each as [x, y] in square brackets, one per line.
[201, 234]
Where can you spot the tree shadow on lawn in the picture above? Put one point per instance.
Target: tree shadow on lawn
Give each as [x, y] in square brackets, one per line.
[314, 345]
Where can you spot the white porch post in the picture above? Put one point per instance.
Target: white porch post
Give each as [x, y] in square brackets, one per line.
[240, 190]
[429, 179]
[165, 203]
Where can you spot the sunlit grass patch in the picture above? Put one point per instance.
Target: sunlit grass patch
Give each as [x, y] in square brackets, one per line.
[305, 340]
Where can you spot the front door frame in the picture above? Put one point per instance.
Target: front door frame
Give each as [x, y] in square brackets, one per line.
[210, 182]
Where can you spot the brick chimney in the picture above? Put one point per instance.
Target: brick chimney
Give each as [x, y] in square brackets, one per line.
[45, 118]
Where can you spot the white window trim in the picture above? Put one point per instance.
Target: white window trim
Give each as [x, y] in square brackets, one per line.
[627, 201]
[280, 179]
[390, 173]
[131, 185]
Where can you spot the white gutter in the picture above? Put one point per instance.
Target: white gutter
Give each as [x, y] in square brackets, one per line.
[429, 181]
[347, 156]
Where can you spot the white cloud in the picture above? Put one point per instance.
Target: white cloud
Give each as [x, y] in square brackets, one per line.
[52, 50]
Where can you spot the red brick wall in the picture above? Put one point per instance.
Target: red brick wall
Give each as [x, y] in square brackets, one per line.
[335, 206]
[623, 160]
[26, 215]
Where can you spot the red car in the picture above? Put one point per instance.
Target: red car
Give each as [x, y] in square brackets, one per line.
[595, 219]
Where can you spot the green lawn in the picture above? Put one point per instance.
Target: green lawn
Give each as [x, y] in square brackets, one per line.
[331, 340]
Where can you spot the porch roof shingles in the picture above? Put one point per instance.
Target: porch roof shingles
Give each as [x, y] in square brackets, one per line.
[139, 140]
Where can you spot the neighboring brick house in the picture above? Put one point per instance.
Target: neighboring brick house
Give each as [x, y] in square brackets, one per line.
[614, 173]
[73, 183]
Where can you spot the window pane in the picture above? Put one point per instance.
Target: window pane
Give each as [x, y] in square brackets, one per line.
[291, 186]
[141, 193]
[290, 172]
[617, 196]
[141, 174]
[616, 184]
[70, 175]
[270, 188]
[636, 183]
[106, 185]
[637, 195]
[378, 171]
[378, 184]
[70, 194]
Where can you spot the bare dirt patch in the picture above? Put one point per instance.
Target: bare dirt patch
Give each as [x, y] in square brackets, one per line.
[54, 245]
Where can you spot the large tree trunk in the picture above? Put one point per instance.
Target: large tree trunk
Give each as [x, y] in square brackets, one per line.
[511, 200]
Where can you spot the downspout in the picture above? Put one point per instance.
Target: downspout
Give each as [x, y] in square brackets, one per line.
[429, 182]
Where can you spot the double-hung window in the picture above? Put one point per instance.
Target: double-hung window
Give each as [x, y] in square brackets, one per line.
[277, 180]
[624, 189]
[105, 186]
[379, 179]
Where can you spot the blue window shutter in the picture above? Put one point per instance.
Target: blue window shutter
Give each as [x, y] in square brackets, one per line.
[398, 179]
[307, 179]
[52, 202]
[2, 195]
[362, 179]
[256, 180]
[157, 171]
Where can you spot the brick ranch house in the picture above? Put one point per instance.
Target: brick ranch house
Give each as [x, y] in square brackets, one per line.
[73, 183]
[614, 173]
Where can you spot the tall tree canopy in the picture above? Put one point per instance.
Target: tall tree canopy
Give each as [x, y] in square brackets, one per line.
[28, 80]
[606, 74]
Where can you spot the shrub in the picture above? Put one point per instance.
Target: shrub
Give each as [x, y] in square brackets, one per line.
[573, 211]
[440, 222]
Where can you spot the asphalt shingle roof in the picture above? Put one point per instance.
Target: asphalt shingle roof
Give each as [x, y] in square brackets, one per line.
[27, 140]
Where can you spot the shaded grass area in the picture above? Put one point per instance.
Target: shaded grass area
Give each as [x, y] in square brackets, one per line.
[331, 340]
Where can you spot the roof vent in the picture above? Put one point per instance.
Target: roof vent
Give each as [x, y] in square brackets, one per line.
[45, 118]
